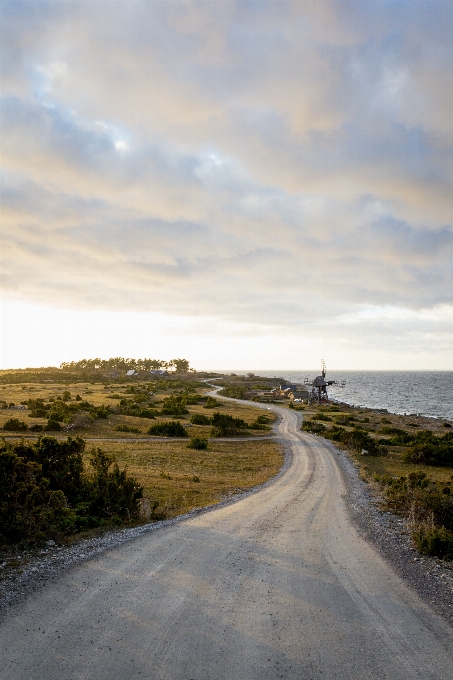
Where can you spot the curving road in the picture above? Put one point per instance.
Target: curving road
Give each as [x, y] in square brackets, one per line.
[277, 585]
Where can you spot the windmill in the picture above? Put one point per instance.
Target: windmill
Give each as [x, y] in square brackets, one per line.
[318, 392]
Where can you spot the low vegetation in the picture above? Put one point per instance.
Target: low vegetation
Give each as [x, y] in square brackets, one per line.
[429, 507]
[409, 461]
[46, 491]
[59, 488]
[170, 429]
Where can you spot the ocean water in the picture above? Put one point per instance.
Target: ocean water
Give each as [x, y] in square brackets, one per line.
[429, 393]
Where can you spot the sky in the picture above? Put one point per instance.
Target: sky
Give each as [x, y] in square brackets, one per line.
[246, 184]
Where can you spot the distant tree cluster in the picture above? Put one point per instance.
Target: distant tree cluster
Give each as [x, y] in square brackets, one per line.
[121, 364]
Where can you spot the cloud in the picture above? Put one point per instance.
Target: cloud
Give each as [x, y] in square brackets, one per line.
[237, 160]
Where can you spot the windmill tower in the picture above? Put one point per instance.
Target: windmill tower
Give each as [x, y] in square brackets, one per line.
[319, 386]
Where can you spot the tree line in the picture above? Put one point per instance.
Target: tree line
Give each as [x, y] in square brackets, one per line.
[121, 364]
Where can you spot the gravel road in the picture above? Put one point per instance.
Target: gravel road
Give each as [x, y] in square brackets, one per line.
[276, 585]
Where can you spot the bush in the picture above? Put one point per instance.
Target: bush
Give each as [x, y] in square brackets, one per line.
[431, 450]
[171, 429]
[260, 423]
[312, 427]
[36, 427]
[82, 420]
[211, 403]
[225, 425]
[233, 391]
[174, 405]
[127, 428]
[46, 492]
[434, 541]
[111, 494]
[102, 412]
[197, 443]
[429, 505]
[357, 440]
[149, 413]
[200, 419]
[15, 425]
[399, 437]
[53, 426]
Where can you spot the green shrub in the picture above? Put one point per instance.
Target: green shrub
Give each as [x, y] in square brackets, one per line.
[225, 425]
[312, 427]
[212, 403]
[197, 443]
[46, 492]
[170, 429]
[36, 427]
[192, 399]
[111, 494]
[434, 541]
[149, 413]
[233, 391]
[344, 420]
[322, 416]
[200, 419]
[127, 428]
[174, 405]
[357, 440]
[53, 426]
[431, 450]
[260, 423]
[425, 499]
[102, 412]
[15, 425]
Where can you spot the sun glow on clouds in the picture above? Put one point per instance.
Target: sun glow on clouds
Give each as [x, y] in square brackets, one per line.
[250, 180]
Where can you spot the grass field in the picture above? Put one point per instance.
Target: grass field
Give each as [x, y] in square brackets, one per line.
[101, 394]
[174, 476]
[181, 479]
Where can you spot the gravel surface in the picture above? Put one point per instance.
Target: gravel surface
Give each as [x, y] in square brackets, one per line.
[277, 584]
[25, 571]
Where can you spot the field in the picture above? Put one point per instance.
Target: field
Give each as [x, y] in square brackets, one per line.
[175, 478]
[109, 395]
[180, 479]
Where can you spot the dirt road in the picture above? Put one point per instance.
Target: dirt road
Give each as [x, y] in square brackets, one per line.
[277, 585]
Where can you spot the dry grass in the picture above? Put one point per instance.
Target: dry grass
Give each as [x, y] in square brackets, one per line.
[393, 466]
[98, 394]
[169, 471]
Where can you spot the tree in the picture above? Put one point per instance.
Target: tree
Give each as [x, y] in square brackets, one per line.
[180, 365]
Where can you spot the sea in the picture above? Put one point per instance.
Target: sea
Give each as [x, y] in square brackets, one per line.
[427, 393]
